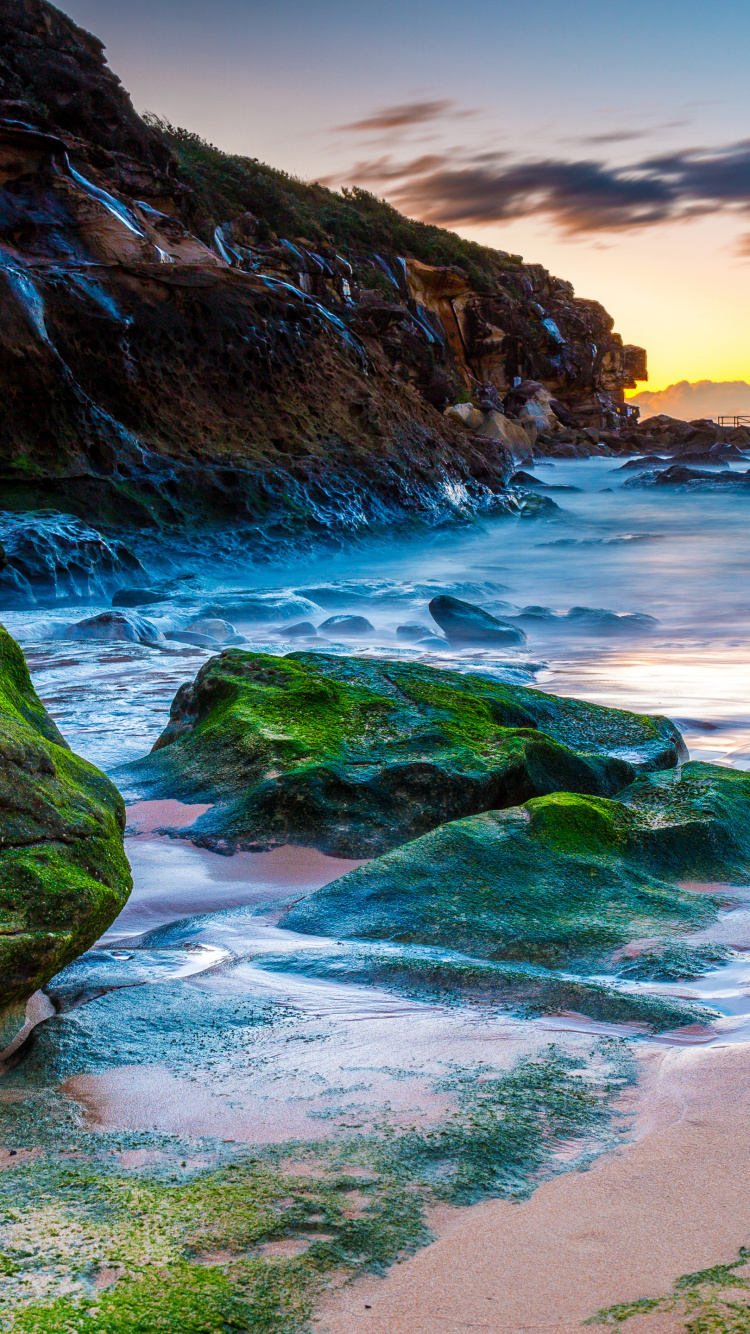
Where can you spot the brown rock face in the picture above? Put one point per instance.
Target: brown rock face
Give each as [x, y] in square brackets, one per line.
[169, 356]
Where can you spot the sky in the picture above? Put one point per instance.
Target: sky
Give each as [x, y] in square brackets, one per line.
[610, 143]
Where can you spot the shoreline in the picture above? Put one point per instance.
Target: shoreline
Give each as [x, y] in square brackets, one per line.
[672, 1200]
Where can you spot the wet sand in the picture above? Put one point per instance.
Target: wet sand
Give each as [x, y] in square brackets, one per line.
[673, 1200]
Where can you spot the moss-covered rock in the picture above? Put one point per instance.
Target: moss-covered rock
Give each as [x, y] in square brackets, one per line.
[563, 879]
[356, 756]
[63, 872]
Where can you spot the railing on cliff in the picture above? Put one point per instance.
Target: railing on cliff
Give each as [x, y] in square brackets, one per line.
[740, 419]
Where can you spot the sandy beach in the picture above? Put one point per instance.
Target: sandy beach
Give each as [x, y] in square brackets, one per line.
[674, 1199]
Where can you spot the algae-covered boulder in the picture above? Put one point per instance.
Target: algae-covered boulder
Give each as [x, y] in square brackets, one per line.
[63, 872]
[563, 879]
[356, 755]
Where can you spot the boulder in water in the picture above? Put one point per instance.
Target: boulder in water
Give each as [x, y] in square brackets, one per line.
[356, 755]
[300, 630]
[411, 631]
[221, 631]
[463, 623]
[563, 880]
[60, 558]
[346, 626]
[63, 873]
[599, 620]
[118, 625]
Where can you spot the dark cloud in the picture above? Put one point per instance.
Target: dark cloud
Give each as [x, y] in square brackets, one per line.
[581, 196]
[401, 116]
[624, 136]
[612, 137]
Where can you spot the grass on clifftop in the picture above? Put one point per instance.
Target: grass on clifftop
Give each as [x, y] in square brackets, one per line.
[226, 184]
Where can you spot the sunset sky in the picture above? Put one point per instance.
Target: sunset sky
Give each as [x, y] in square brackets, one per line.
[610, 143]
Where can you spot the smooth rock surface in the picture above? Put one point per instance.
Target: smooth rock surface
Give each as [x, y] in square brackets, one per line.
[463, 623]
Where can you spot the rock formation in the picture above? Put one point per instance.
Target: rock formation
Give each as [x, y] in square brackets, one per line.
[356, 756]
[561, 880]
[193, 337]
[63, 872]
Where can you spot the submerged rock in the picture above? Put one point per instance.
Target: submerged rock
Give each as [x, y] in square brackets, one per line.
[63, 872]
[563, 879]
[601, 621]
[260, 607]
[356, 756]
[52, 557]
[464, 623]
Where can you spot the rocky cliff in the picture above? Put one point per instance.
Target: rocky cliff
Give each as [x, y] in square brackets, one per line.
[188, 337]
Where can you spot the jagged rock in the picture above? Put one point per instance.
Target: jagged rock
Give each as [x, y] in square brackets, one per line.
[126, 365]
[463, 623]
[526, 479]
[562, 880]
[52, 557]
[117, 625]
[346, 626]
[465, 415]
[63, 872]
[496, 426]
[354, 755]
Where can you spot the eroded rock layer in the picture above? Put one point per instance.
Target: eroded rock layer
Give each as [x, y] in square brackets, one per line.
[191, 336]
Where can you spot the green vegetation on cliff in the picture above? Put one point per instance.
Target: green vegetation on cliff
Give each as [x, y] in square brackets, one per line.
[562, 879]
[63, 872]
[357, 755]
[226, 184]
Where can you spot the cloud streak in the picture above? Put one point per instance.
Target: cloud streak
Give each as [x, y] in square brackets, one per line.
[402, 116]
[459, 188]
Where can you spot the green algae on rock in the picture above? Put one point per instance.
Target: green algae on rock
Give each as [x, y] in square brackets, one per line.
[63, 872]
[358, 755]
[562, 879]
[526, 989]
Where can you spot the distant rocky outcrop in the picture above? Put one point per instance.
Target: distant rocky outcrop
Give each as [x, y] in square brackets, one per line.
[63, 872]
[190, 337]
